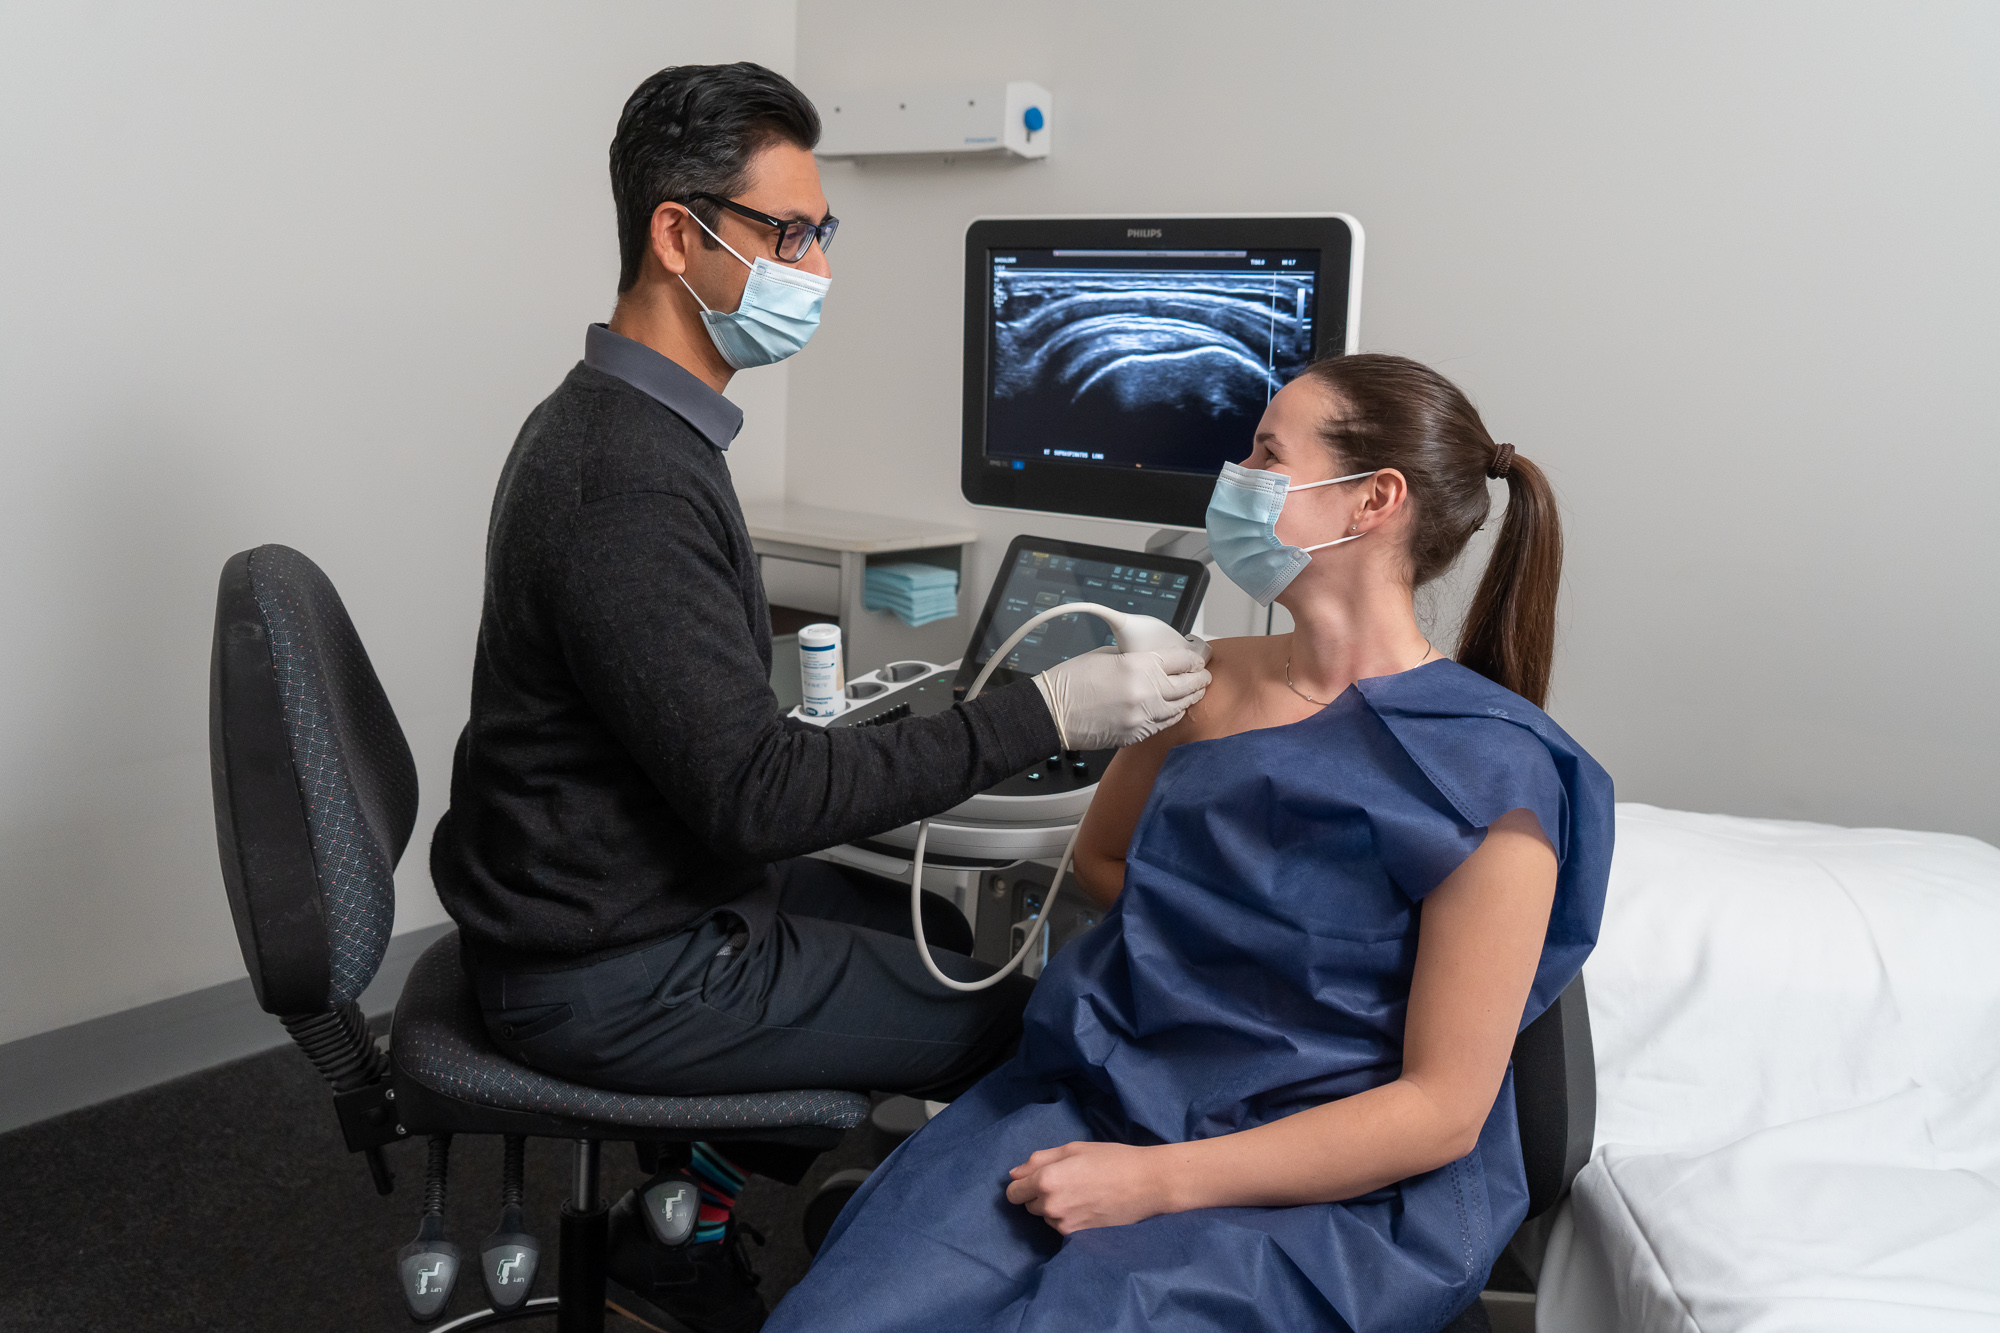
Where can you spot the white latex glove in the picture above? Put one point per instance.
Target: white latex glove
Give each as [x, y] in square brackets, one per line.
[1105, 698]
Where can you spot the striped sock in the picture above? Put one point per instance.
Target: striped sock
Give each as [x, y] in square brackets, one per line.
[720, 1183]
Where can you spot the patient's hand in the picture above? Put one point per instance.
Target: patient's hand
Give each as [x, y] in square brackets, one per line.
[1083, 1185]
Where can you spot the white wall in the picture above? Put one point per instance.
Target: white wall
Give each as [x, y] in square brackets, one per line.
[273, 273]
[291, 275]
[1728, 272]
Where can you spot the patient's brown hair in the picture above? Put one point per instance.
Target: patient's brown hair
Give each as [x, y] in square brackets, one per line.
[1401, 414]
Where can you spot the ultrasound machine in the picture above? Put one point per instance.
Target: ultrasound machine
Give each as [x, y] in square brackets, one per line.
[1112, 365]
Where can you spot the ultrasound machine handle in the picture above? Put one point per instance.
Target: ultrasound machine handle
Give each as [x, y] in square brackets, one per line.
[1134, 634]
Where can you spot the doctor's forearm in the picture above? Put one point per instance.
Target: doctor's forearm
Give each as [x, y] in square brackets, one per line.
[796, 789]
[1321, 1155]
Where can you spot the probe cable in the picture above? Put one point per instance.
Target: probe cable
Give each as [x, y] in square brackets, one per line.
[924, 826]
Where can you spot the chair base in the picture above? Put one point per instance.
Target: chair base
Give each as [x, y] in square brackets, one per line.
[540, 1308]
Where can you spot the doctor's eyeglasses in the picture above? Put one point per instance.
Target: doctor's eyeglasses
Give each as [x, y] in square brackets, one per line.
[794, 237]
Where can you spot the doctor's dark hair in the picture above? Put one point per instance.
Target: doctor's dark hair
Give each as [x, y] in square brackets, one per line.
[1397, 413]
[692, 129]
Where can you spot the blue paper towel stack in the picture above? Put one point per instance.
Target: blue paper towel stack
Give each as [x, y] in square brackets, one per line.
[918, 594]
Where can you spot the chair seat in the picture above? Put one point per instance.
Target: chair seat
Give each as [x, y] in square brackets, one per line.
[439, 1042]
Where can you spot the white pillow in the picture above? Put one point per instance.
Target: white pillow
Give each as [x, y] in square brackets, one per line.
[1753, 973]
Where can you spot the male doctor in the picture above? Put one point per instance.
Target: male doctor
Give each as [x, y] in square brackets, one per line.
[629, 806]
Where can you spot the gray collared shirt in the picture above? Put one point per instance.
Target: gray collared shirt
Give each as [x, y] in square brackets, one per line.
[657, 377]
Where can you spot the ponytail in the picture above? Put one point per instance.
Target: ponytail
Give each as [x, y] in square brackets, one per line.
[1510, 632]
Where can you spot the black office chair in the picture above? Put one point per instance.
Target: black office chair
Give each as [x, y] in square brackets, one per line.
[315, 795]
[1555, 1097]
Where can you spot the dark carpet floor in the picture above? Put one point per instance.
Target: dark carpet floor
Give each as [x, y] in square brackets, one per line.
[226, 1201]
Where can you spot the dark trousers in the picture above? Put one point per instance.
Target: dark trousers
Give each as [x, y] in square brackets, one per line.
[810, 982]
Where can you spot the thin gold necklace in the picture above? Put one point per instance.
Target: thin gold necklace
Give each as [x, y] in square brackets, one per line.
[1428, 650]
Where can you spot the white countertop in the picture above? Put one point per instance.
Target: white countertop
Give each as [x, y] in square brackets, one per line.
[844, 530]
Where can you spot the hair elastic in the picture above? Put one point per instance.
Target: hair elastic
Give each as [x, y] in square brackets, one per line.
[1503, 459]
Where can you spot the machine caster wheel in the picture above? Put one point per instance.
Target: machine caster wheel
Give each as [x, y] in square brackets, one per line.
[826, 1205]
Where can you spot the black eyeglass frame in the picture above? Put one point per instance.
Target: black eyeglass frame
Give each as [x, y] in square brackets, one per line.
[809, 231]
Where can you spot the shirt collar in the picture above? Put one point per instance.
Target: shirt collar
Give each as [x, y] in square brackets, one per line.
[656, 376]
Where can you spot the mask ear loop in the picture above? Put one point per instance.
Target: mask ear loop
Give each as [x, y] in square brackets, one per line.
[705, 308]
[695, 294]
[719, 241]
[1330, 481]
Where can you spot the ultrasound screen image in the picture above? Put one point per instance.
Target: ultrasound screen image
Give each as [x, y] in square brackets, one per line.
[1160, 359]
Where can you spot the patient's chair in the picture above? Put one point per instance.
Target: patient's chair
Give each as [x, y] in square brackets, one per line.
[1555, 1100]
[315, 795]
[1555, 1097]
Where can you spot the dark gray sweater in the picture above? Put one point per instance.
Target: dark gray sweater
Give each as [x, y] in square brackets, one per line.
[626, 766]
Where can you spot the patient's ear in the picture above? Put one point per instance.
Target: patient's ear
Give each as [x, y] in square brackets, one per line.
[1383, 496]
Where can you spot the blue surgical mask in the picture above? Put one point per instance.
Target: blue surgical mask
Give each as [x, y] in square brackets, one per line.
[776, 317]
[1243, 529]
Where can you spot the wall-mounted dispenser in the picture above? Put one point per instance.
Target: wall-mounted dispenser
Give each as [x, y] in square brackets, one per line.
[1013, 118]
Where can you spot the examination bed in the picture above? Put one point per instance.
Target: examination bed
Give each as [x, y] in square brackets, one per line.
[1797, 1032]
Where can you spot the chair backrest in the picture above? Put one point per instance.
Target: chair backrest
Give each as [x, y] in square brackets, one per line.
[315, 789]
[1555, 1096]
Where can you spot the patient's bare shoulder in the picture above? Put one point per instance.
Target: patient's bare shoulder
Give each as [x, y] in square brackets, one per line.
[1236, 661]
[1238, 692]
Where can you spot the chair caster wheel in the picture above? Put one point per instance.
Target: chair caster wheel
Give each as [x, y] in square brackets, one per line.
[827, 1203]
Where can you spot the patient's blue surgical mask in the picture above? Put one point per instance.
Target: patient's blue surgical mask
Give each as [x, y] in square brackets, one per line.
[776, 317]
[1243, 529]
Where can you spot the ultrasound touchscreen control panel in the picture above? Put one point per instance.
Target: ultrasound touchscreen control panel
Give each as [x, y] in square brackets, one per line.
[1040, 572]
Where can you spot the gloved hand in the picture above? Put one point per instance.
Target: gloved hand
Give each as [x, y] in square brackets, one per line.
[1105, 698]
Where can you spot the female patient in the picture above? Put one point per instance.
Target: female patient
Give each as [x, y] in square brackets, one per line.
[1271, 1090]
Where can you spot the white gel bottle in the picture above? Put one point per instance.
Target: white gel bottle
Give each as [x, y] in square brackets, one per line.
[820, 678]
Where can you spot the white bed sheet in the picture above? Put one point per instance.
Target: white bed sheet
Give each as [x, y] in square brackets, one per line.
[1797, 1031]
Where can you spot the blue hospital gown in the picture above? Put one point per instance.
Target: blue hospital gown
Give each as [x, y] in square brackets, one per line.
[1257, 963]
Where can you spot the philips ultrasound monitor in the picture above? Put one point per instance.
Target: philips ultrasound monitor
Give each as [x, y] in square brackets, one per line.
[1113, 365]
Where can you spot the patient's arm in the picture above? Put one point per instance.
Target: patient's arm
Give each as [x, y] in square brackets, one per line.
[1099, 862]
[1477, 948]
